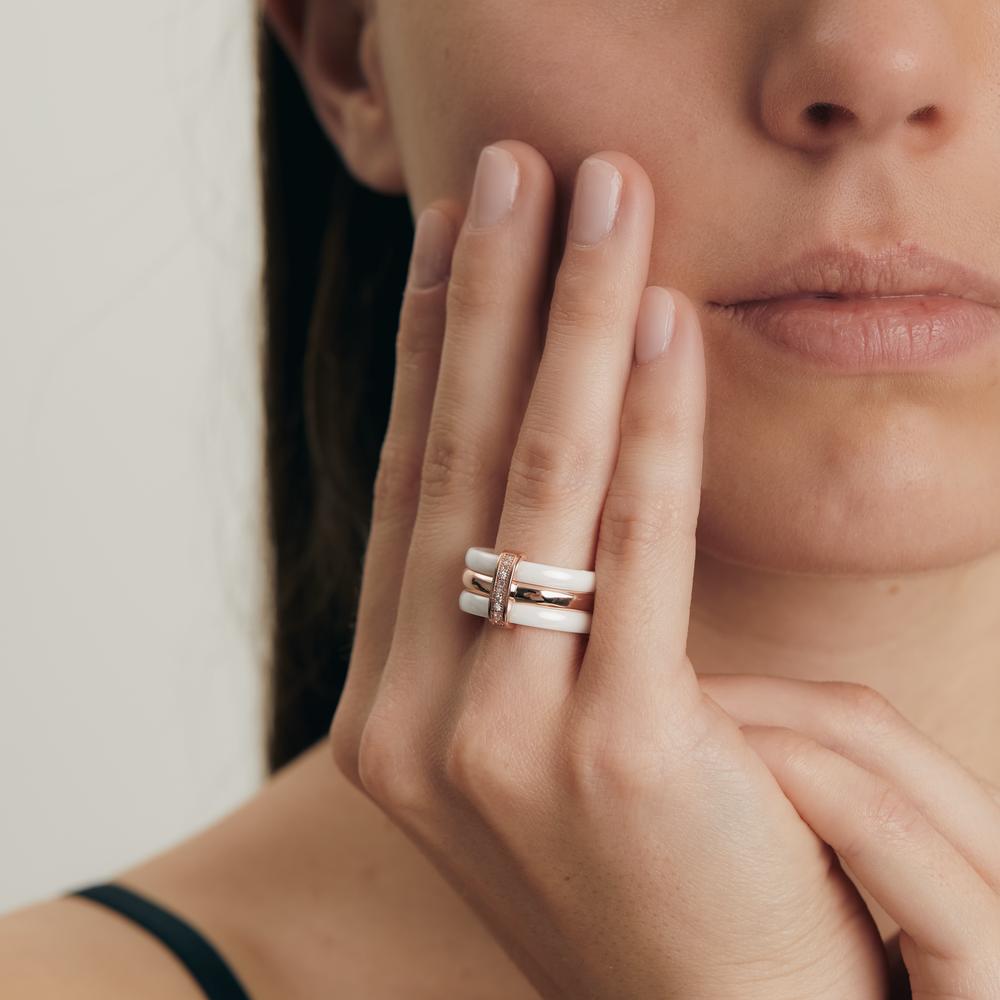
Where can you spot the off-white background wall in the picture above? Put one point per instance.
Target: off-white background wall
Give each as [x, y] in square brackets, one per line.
[131, 629]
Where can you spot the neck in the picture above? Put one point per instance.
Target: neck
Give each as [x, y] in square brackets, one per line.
[929, 642]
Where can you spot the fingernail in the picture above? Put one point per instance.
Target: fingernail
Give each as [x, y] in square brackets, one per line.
[595, 201]
[494, 188]
[654, 324]
[430, 262]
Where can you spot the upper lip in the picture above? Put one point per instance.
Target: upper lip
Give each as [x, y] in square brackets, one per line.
[852, 272]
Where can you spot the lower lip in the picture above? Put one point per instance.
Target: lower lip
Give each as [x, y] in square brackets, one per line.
[890, 333]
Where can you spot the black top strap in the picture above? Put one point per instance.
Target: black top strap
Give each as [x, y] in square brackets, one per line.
[209, 969]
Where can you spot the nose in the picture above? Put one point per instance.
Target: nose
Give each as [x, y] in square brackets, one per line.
[849, 71]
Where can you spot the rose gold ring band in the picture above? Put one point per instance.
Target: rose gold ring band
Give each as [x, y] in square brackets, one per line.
[482, 583]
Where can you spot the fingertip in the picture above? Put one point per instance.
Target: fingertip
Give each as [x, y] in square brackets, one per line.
[654, 325]
[688, 333]
[665, 314]
[687, 311]
[450, 208]
[433, 244]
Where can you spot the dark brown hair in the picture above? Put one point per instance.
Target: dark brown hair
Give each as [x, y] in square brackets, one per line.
[335, 259]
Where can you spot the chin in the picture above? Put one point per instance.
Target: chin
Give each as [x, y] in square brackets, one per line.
[817, 551]
[871, 523]
[861, 476]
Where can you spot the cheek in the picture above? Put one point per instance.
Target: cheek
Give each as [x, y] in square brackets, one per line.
[800, 474]
[565, 77]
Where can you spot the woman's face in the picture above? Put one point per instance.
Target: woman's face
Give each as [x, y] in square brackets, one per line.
[804, 469]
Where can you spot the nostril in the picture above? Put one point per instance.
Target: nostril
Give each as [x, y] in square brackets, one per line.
[928, 113]
[823, 113]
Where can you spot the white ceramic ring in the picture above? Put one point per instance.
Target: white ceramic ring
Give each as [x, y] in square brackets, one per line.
[583, 581]
[526, 613]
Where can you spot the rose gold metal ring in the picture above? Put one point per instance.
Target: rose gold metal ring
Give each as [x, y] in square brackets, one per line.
[482, 583]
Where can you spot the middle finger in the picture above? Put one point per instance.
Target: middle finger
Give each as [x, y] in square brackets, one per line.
[568, 443]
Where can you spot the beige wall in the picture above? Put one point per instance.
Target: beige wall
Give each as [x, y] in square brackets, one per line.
[130, 624]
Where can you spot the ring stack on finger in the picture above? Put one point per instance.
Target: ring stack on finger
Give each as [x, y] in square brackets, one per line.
[507, 590]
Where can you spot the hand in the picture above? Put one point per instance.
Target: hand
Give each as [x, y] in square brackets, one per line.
[918, 830]
[608, 821]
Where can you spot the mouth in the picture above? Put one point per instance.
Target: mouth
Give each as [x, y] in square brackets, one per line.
[836, 271]
[896, 309]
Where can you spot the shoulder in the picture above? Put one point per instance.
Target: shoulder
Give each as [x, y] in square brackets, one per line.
[71, 947]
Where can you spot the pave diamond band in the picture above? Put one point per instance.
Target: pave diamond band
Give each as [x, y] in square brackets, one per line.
[500, 596]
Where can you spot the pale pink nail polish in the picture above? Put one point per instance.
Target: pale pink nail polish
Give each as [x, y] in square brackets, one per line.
[596, 201]
[654, 324]
[430, 261]
[494, 187]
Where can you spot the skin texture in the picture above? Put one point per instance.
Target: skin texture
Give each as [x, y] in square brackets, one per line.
[706, 96]
[847, 527]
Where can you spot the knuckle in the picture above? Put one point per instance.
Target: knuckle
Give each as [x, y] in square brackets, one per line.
[397, 479]
[601, 762]
[345, 760]
[452, 463]
[634, 523]
[421, 321]
[386, 769]
[478, 284]
[548, 468]
[885, 815]
[462, 762]
[795, 750]
[608, 769]
[418, 351]
[795, 754]
[583, 301]
[343, 744]
[478, 768]
[640, 424]
[865, 707]
[888, 815]
[655, 420]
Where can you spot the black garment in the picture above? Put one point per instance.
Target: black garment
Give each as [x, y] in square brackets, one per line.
[213, 975]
